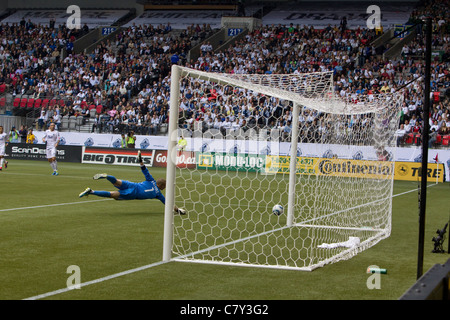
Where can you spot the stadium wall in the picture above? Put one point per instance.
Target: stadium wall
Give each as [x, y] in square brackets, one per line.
[350, 168]
[104, 4]
[410, 157]
[151, 158]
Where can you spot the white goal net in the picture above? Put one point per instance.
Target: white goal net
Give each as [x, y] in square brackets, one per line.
[263, 140]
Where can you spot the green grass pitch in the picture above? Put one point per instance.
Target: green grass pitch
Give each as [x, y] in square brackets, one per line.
[45, 228]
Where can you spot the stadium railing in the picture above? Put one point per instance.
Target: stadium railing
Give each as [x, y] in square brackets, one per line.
[433, 285]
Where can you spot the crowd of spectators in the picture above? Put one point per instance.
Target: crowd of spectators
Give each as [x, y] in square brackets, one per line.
[359, 69]
[127, 74]
[282, 50]
[130, 75]
[412, 67]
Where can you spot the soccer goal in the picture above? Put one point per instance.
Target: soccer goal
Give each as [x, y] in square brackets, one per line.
[265, 140]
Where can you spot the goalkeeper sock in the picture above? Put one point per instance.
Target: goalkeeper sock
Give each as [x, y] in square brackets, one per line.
[111, 179]
[104, 194]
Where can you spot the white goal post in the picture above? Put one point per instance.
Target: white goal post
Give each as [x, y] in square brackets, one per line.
[288, 139]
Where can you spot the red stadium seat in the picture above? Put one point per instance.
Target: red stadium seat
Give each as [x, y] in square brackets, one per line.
[30, 103]
[438, 139]
[23, 102]
[53, 102]
[2, 87]
[99, 109]
[16, 102]
[37, 103]
[2, 101]
[409, 138]
[45, 103]
[445, 140]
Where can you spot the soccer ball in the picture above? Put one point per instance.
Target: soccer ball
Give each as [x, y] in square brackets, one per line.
[277, 209]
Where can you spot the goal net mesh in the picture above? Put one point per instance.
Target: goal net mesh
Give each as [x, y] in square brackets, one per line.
[241, 131]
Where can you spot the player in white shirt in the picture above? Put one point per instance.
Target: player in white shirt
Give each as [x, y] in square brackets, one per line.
[52, 139]
[3, 142]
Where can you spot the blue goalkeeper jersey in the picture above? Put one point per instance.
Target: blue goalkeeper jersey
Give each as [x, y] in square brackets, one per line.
[142, 190]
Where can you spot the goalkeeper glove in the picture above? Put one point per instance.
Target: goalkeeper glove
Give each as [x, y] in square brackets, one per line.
[180, 211]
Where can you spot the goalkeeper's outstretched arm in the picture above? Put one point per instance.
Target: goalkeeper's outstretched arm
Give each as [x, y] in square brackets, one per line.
[160, 183]
[144, 169]
[146, 173]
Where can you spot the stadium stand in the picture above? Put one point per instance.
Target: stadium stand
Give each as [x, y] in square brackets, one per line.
[126, 76]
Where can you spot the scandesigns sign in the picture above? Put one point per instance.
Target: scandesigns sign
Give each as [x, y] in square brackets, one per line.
[38, 152]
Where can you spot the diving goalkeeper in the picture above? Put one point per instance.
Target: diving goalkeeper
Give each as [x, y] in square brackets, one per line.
[148, 189]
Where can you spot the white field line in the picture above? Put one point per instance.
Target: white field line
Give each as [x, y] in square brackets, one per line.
[116, 275]
[52, 205]
[52, 293]
[88, 201]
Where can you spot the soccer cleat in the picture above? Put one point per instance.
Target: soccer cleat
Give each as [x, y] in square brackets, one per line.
[56, 173]
[139, 157]
[53, 173]
[6, 164]
[85, 192]
[100, 176]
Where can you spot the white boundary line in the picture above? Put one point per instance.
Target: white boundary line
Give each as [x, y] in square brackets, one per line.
[116, 275]
[52, 205]
[89, 201]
